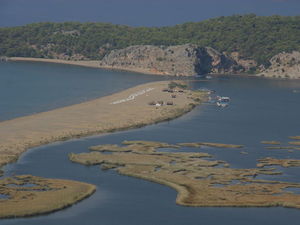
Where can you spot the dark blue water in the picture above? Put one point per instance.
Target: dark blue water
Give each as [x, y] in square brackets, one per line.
[260, 110]
[27, 88]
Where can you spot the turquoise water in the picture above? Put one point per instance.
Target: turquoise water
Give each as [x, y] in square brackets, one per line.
[260, 110]
[27, 88]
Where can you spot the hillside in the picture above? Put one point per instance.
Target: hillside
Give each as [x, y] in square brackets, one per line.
[178, 60]
[253, 37]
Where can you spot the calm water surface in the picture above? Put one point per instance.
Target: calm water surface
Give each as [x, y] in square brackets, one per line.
[27, 88]
[260, 110]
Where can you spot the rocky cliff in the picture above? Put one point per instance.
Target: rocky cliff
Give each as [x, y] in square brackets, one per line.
[189, 59]
[180, 60]
[284, 65]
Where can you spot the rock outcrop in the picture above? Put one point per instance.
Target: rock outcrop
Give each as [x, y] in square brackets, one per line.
[243, 65]
[190, 59]
[220, 63]
[284, 65]
[180, 60]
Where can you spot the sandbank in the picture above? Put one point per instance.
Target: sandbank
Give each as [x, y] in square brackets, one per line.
[124, 110]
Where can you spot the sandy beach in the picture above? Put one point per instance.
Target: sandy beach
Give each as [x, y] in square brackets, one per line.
[86, 63]
[120, 111]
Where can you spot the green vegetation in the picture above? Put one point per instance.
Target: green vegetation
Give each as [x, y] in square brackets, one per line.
[252, 36]
[173, 85]
[180, 85]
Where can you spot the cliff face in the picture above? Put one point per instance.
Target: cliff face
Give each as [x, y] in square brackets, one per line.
[180, 60]
[284, 65]
[220, 63]
[189, 59]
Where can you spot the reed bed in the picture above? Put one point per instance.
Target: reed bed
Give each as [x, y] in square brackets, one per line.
[198, 181]
[31, 196]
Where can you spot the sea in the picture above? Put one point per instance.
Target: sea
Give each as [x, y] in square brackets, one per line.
[260, 109]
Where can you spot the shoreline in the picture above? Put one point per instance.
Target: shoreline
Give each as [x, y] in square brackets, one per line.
[86, 63]
[96, 64]
[98, 116]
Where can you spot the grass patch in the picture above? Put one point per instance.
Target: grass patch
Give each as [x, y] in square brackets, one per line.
[180, 85]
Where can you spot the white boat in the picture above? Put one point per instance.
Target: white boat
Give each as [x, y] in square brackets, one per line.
[221, 104]
[223, 99]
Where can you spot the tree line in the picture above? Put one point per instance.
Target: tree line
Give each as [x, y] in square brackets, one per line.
[254, 37]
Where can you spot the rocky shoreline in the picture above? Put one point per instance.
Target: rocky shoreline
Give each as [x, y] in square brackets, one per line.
[283, 65]
[185, 60]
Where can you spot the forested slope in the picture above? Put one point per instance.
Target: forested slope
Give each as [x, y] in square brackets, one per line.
[254, 37]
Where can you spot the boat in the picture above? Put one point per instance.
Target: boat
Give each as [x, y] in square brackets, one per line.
[223, 99]
[222, 104]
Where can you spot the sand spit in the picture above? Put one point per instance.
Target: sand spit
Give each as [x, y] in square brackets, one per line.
[198, 181]
[87, 63]
[39, 195]
[96, 117]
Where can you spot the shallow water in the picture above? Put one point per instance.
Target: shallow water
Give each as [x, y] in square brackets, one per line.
[3, 196]
[27, 88]
[260, 110]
